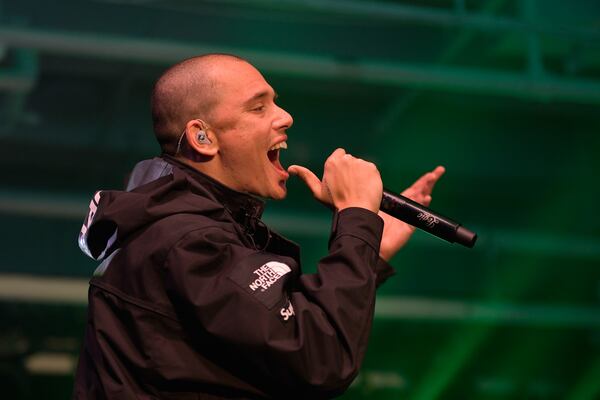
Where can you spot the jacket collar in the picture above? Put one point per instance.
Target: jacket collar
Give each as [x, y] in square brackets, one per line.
[245, 209]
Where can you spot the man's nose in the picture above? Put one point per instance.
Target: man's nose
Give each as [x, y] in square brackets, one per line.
[284, 120]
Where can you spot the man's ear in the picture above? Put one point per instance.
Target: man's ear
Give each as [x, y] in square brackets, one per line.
[201, 139]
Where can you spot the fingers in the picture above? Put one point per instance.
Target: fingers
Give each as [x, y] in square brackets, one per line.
[347, 182]
[434, 176]
[352, 182]
[426, 182]
[421, 190]
[438, 171]
[311, 180]
[339, 152]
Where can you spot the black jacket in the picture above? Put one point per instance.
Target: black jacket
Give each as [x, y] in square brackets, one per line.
[196, 298]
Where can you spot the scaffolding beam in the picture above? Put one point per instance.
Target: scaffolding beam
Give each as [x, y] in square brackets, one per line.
[543, 88]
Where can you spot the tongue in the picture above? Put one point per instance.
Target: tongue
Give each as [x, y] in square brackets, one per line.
[274, 158]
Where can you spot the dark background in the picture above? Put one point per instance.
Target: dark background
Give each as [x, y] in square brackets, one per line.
[503, 93]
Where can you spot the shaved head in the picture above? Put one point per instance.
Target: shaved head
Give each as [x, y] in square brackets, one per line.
[186, 91]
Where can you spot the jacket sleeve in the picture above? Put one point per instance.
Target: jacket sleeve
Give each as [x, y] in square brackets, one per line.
[384, 271]
[305, 333]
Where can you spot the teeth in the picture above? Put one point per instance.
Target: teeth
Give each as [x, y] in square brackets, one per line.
[281, 145]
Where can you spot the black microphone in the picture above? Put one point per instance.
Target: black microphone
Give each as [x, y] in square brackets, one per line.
[423, 218]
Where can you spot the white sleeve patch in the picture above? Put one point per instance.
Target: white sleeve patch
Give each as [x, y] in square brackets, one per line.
[267, 275]
[279, 267]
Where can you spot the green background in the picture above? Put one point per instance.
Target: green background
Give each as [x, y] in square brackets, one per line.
[504, 94]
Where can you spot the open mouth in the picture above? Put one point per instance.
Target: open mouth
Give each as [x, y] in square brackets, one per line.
[273, 155]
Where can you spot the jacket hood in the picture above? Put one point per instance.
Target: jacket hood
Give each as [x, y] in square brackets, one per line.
[158, 188]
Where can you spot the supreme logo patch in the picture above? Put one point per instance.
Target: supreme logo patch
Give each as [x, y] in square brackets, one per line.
[287, 311]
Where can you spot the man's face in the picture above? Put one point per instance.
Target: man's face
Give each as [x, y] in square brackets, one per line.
[249, 127]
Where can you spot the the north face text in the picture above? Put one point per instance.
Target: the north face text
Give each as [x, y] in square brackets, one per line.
[267, 275]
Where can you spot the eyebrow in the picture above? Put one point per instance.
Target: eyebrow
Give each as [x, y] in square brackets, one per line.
[260, 95]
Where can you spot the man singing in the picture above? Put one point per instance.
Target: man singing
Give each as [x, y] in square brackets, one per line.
[195, 297]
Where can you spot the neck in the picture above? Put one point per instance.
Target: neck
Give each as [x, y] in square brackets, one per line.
[209, 166]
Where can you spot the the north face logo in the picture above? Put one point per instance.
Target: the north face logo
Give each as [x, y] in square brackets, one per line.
[267, 275]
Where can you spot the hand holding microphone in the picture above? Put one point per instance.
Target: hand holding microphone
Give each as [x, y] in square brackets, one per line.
[347, 182]
[401, 213]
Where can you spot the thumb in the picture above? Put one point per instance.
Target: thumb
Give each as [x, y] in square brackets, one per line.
[311, 180]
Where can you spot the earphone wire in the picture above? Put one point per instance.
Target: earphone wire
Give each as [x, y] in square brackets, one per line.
[179, 142]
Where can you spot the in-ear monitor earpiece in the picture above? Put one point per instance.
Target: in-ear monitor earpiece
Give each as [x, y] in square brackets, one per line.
[202, 138]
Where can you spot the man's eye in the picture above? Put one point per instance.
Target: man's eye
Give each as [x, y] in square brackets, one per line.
[258, 108]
